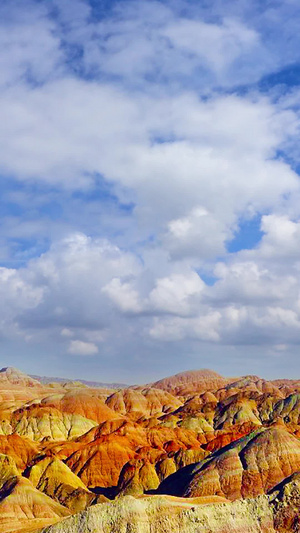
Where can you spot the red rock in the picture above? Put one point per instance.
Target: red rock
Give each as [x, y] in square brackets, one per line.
[192, 381]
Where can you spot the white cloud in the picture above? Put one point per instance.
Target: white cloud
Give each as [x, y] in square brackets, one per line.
[197, 235]
[218, 45]
[129, 120]
[248, 283]
[204, 328]
[123, 295]
[176, 293]
[65, 332]
[32, 47]
[181, 42]
[17, 292]
[78, 347]
[282, 237]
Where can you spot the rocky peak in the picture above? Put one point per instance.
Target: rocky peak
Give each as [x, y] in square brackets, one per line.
[14, 376]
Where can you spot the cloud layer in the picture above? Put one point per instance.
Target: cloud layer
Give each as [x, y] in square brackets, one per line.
[137, 142]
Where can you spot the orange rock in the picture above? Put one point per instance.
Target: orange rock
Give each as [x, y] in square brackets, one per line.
[39, 421]
[99, 464]
[53, 477]
[248, 467]
[12, 376]
[142, 402]
[194, 380]
[138, 437]
[80, 402]
[22, 450]
[285, 498]
[19, 500]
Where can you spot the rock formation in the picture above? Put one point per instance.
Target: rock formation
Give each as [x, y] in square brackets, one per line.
[54, 478]
[191, 381]
[194, 452]
[12, 376]
[165, 514]
[246, 468]
[21, 504]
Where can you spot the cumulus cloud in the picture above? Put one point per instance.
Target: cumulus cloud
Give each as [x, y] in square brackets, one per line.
[247, 282]
[199, 234]
[176, 294]
[72, 274]
[77, 347]
[203, 328]
[282, 237]
[123, 295]
[134, 144]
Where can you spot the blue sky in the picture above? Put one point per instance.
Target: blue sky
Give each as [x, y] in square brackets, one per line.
[149, 201]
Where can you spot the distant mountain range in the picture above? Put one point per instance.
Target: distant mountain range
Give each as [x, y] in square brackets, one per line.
[45, 380]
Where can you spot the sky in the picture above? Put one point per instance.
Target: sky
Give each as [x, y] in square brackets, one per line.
[150, 188]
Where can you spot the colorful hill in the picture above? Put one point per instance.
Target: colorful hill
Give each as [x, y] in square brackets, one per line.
[192, 445]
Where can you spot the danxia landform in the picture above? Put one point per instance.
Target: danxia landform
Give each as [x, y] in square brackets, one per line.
[194, 452]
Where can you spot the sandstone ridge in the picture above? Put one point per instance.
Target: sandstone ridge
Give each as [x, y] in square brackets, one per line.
[194, 448]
